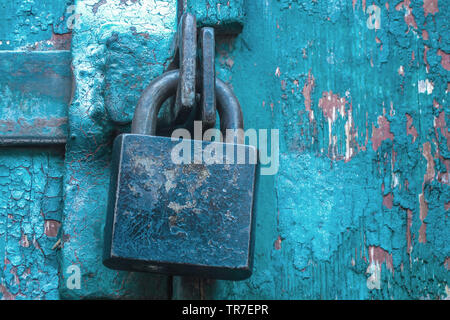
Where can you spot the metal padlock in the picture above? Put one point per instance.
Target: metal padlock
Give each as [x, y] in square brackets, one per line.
[181, 219]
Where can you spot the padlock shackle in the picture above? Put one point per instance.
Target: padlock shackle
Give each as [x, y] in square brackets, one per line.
[230, 113]
[165, 86]
[151, 100]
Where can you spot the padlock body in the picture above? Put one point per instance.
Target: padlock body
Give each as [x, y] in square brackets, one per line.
[190, 218]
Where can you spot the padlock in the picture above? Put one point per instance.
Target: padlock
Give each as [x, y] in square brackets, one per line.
[176, 218]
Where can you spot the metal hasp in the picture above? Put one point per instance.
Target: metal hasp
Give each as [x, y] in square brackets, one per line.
[185, 59]
[180, 219]
[208, 76]
[187, 55]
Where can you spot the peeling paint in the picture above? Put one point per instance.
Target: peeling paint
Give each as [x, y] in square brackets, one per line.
[324, 229]
[383, 132]
[430, 7]
[445, 59]
[307, 90]
[409, 17]
[333, 227]
[118, 48]
[410, 130]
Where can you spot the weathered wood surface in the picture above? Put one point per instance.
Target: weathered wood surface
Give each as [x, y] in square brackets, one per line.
[30, 218]
[359, 207]
[35, 90]
[117, 49]
[34, 93]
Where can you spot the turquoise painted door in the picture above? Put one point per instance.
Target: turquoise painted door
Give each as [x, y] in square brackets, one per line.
[356, 203]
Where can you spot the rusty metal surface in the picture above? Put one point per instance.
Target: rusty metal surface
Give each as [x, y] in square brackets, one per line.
[191, 216]
[208, 77]
[187, 47]
[189, 219]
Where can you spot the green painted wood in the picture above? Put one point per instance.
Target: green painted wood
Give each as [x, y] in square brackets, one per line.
[359, 207]
[35, 90]
[34, 93]
[30, 218]
[35, 24]
[225, 16]
[117, 49]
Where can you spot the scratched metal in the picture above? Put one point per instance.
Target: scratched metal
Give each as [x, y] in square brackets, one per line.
[208, 77]
[187, 54]
[188, 219]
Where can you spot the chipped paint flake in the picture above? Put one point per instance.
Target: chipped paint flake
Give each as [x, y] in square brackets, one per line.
[383, 132]
[307, 90]
[430, 7]
[410, 129]
[445, 59]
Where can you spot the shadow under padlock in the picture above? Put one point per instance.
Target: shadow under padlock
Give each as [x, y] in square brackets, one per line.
[185, 217]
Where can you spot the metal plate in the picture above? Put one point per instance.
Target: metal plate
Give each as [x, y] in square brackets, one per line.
[208, 77]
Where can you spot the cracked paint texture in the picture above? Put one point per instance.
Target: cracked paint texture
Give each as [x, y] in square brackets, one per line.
[109, 33]
[226, 16]
[35, 91]
[359, 207]
[35, 24]
[31, 207]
